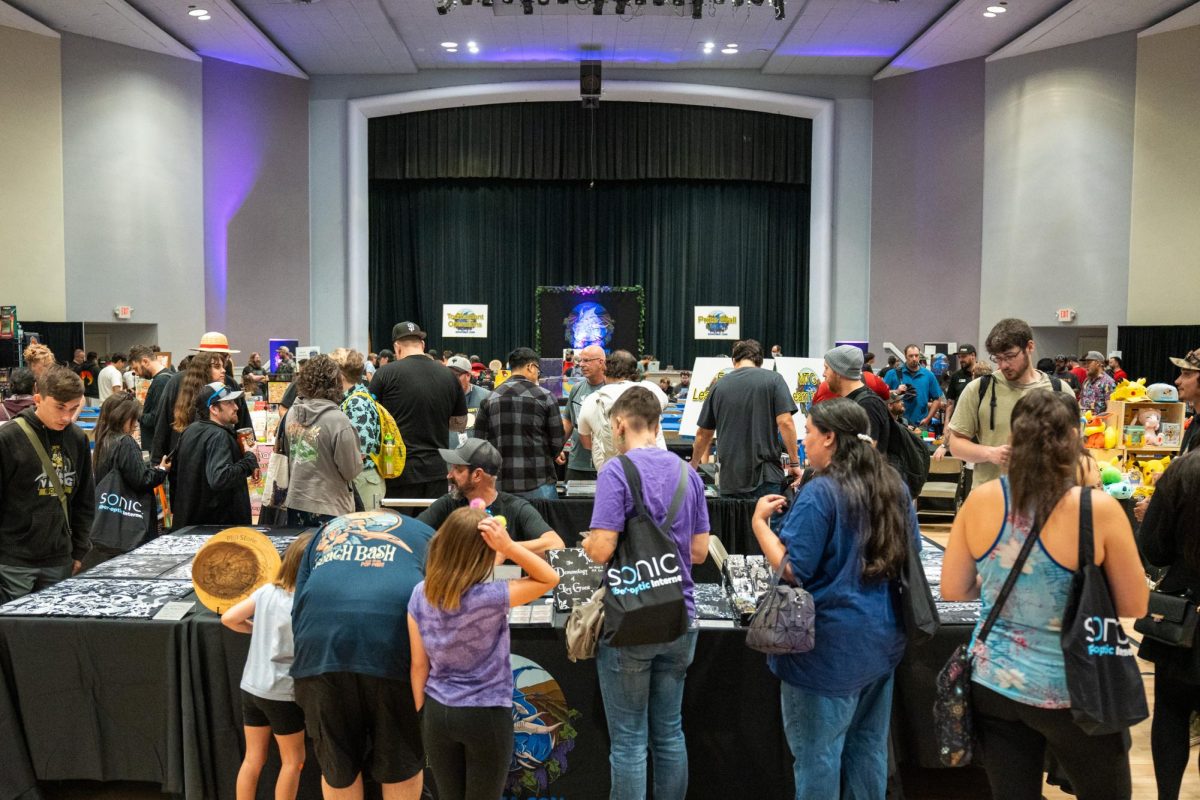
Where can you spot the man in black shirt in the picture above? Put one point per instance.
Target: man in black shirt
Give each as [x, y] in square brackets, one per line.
[424, 398]
[473, 470]
[211, 467]
[958, 380]
[145, 364]
[843, 374]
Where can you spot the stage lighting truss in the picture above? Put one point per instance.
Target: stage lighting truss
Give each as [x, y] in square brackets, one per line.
[621, 7]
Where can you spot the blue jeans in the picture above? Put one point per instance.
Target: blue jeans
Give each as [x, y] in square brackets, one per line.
[544, 492]
[642, 687]
[840, 744]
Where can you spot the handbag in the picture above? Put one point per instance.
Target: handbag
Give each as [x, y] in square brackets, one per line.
[123, 517]
[644, 603]
[275, 481]
[1170, 619]
[784, 621]
[583, 626]
[953, 719]
[1103, 680]
[921, 620]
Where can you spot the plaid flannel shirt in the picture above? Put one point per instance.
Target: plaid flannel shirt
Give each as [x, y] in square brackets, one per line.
[522, 421]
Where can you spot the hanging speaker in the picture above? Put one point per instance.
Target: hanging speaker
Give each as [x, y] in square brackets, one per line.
[589, 79]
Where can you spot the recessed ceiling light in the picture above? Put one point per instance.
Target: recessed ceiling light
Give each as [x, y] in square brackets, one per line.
[451, 49]
[472, 44]
[709, 44]
[989, 14]
[205, 18]
[997, 9]
[197, 12]
[733, 46]
[448, 45]
[474, 50]
[729, 51]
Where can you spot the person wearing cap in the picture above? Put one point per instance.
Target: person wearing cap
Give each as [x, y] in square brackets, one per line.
[1188, 384]
[591, 362]
[210, 467]
[744, 410]
[919, 386]
[285, 368]
[959, 379]
[425, 399]
[844, 377]
[522, 421]
[472, 472]
[1096, 388]
[472, 394]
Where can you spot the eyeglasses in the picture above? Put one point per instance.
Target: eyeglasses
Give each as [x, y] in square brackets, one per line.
[1005, 358]
[589, 360]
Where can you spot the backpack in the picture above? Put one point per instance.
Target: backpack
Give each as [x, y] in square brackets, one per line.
[603, 446]
[907, 453]
[387, 427]
[985, 381]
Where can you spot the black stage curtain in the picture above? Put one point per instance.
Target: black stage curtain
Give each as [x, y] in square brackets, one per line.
[1147, 348]
[617, 141]
[685, 242]
[63, 339]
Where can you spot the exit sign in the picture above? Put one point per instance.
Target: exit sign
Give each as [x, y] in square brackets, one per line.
[123, 312]
[1066, 315]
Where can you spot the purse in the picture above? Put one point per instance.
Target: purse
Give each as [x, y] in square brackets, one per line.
[1103, 679]
[921, 620]
[584, 625]
[953, 720]
[1171, 618]
[784, 621]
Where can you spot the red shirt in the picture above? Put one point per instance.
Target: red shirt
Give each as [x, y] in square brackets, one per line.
[1080, 373]
[869, 379]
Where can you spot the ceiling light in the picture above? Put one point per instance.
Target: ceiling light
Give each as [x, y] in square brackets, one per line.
[197, 12]
[729, 51]
[732, 45]
[989, 14]
[452, 50]
[474, 50]
[448, 45]
[472, 45]
[997, 9]
[205, 18]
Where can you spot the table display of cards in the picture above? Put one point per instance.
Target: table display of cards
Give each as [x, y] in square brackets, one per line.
[135, 585]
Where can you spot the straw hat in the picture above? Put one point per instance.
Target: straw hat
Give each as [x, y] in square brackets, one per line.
[213, 342]
[231, 565]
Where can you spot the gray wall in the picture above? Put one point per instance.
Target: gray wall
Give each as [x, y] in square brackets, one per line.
[926, 206]
[133, 213]
[255, 205]
[1058, 172]
[327, 173]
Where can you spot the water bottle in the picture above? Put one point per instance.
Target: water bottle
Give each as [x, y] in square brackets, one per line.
[389, 454]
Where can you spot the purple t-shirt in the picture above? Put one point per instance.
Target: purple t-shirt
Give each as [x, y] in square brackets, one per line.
[468, 649]
[659, 470]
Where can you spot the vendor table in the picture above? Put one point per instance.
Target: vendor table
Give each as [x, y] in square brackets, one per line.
[143, 700]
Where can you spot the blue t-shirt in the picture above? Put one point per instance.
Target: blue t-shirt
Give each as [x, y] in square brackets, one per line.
[859, 627]
[350, 612]
[925, 388]
[659, 471]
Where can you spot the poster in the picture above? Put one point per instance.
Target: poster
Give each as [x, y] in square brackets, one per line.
[718, 322]
[706, 371]
[464, 321]
[803, 376]
[8, 322]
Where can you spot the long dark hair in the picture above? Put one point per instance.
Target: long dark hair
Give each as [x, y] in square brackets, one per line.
[1046, 450]
[199, 373]
[115, 415]
[874, 493]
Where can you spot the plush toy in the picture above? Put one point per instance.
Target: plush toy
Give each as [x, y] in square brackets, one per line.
[1121, 490]
[1162, 393]
[1093, 430]
[1150, 419]
[1110, 473]
[1130, 392]
[1153, 470]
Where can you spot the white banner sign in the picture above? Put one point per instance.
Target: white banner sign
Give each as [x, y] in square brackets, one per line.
[463, 321]
[705, 372]
[718, 322]
[802, 376]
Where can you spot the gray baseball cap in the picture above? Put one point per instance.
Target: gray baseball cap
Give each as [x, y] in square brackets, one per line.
[476, 454]
[459, 363]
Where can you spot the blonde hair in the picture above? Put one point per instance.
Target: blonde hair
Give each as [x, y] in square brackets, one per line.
[350, 362]
[980, 369]
[286, 577]
[458, 558]
[38, 357]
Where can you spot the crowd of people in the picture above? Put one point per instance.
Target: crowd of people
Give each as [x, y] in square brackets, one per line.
[384, 638]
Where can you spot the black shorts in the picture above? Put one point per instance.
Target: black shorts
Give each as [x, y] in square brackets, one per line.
[359, 723]
[283, 716]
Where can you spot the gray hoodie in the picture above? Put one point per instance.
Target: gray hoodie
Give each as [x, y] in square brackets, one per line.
[324, 458]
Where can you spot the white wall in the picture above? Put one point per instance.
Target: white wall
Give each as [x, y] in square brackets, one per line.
[133, 187]
[1058, 168]
[327, 168]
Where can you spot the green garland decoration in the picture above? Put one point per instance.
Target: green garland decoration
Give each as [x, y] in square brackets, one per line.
[641, 298]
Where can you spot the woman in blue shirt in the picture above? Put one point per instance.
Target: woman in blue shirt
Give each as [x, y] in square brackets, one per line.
[844, 540]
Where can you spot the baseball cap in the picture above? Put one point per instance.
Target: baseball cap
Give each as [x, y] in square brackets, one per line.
[1094, 355]
[216, 392]
[459, 363]
[966, 349]
[406, 330]
[476, 454]
[846, 360]
[1191, 361]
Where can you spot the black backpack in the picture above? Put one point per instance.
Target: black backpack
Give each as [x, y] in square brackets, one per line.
[907, 453]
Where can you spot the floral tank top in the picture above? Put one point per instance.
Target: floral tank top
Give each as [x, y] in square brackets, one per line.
[1022, 656]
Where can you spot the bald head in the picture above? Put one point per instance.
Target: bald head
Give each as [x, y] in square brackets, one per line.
[591, 362]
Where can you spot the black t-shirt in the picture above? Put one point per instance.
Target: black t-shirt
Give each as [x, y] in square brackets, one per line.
[524, 522]
[877, 414]
[957, 382]
[422, 395]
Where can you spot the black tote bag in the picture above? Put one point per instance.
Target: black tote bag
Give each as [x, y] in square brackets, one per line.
[644, 603]
[123, 517]
[1107, 694]
[921, 620]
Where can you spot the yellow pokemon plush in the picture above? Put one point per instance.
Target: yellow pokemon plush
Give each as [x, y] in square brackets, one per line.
[1130, 392]
[1153, 470]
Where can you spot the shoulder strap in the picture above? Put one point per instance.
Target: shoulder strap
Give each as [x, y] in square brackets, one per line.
[51, 473]
[1009, 582]
[634, 479]
[1087, 544]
